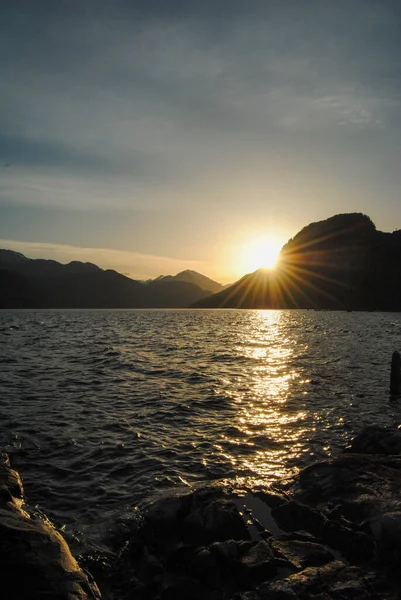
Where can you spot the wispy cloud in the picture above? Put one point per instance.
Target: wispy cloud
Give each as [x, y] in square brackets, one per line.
[162, 100]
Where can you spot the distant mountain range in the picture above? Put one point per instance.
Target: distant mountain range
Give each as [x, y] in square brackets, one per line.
[339, 263]
[39, 283]
[206, 284]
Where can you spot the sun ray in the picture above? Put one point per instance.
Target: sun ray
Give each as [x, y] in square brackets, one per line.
[259, 253]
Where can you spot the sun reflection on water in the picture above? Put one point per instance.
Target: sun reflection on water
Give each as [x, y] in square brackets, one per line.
[272, 430]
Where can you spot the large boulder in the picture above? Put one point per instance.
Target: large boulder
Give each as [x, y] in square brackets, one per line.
[201, 517]
[36, 561]
[333, 581]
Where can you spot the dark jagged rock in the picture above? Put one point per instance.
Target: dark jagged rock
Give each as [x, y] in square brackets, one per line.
[336, 535]
[352, 544]
[334, 581]
[363, 491]
[377, 440]
[342, 519]
[257, 564]
[35, 560]
[201, 517]
[214, 516]
[301, 554]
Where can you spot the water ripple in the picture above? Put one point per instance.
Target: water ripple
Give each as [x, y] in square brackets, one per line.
[100, 409]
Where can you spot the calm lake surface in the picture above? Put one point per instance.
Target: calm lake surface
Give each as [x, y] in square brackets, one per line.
[101, 410]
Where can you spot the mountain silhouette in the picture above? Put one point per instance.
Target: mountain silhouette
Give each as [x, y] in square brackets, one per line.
[15, 291]
[40, 283]
[340, 263]
[205, 283]
[343, 262]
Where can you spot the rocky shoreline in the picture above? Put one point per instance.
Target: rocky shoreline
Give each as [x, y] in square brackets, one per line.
[334, 532]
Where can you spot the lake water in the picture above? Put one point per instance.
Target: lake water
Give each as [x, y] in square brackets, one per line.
[101, 410]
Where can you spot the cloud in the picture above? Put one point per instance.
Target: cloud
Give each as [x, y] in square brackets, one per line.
[162, 98]
[161, 105]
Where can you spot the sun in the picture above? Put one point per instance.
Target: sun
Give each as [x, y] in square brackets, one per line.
[260, 253]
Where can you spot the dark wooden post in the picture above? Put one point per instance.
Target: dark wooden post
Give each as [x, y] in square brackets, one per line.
[395, 376]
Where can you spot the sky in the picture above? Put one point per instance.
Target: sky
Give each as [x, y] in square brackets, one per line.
[153, 136]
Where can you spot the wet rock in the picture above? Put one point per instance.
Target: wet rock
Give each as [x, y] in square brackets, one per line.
[377, 440]
[151, 569]
[334, 581]
[168, 512]
[35, 559]
[244, 561]
[11, 491]
[355, 490]
[246, 596]
[201, 517]
[184, 587]
[293, 516]
[302, 554]
[388, 532]
[353, 544]
[257, 564]
[300, 536]
[229, 551]
[342, 519]
[203, 562]
[279, 590]
[213, 516]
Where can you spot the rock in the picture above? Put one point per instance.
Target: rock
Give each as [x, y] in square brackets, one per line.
[213, 516]
[35, 559]
[349, 479]
[201, 517]
[257, 563]
[293, 516]
[302, 554]
[343, 522]
[377, 440]
[355, 488]
[168, 511]
[11, 491]
[389, 538]
[279, 590]
[332, 581]
[182, 587]
[228, 551]
[203, 561]
[354, 545]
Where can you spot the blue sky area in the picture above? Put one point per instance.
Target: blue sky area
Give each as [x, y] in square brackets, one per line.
[154, 136]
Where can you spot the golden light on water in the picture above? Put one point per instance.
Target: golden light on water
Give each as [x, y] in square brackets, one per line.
[268, 432]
